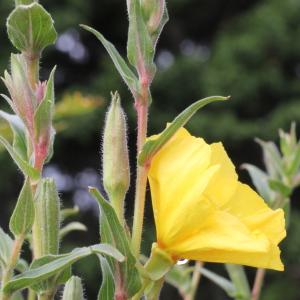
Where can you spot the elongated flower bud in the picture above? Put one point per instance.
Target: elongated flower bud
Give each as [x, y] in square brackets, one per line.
[116, 173]
[73, 289]
[47, 209]
[153, 12]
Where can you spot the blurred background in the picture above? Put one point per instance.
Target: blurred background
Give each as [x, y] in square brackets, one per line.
[247, 49]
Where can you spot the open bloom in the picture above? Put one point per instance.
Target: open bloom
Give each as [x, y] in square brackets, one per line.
[202, 212]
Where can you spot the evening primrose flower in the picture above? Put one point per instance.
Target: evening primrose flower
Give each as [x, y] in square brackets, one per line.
[202, 212]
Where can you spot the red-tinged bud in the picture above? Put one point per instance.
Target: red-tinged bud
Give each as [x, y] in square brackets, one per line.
[40, 91]
[23, 97]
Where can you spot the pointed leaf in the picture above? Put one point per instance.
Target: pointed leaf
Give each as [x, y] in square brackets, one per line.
[18, 128]
[41, 269]
[22, 164]
[73, 226]
[107, 289]
[30, 28]
[260, 180]
[220, 281]
[151, 147]
[22, 218]
[128, 76]
[113, 232]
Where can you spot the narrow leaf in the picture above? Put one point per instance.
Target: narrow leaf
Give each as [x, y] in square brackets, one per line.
[6, 244]
[107, 289]
[22, 218]
[113, 232]
[21, 163]
[128, 76]
[73, 226]
[260, 181]
[151, 147]
[42, 269]
[278, 186]
[18, 128]
[220, 281]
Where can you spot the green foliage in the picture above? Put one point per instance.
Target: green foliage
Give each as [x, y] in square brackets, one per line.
[24, 26]
[151, 147]
[112, 232]
[23, 216]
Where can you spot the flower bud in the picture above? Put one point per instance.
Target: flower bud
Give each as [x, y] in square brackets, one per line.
[22, 96]
[116, 173]
[47, 221]
[153, 12]
[73, 289]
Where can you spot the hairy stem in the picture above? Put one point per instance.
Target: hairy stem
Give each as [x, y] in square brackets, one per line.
[258, 283]
[9, 271]
[141, 180]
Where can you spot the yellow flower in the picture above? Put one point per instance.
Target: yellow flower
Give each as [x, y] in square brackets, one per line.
[202, 212]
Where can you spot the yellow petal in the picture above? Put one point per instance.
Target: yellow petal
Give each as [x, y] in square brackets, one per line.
[225, 239]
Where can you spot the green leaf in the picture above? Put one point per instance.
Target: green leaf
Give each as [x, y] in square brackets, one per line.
[69, 212]
[22, 218]
[41, 269]
[73, 289]
[260, 180]
[6, 245]
[113, 232]
[18, 128]
[151, 147]
[295, 163]
[239, 279]
[73, 226]
[128, 76]
[280, 187]
[220, 281]
[272, 158]
[30, 28]
[24, 166]
[107, 289]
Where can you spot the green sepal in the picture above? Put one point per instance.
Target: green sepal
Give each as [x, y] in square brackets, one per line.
[73, 289]
[107, 289]
[30, 28]
[114, 233]
[24, 166]
[45, 269]
[128, 76]
[23, 216]
[19, 133]
[152, 146]
[159, 263]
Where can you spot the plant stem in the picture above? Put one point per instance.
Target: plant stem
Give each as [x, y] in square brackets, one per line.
[259, 279]
[141, 180]
[32, 69]
[195, 281]
[31, 294]
[9, 271]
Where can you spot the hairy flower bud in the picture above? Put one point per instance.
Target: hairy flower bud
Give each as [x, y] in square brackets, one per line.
[23, 100]
[116, 173]
[73, 289]
[153, 11]
[47, 222]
